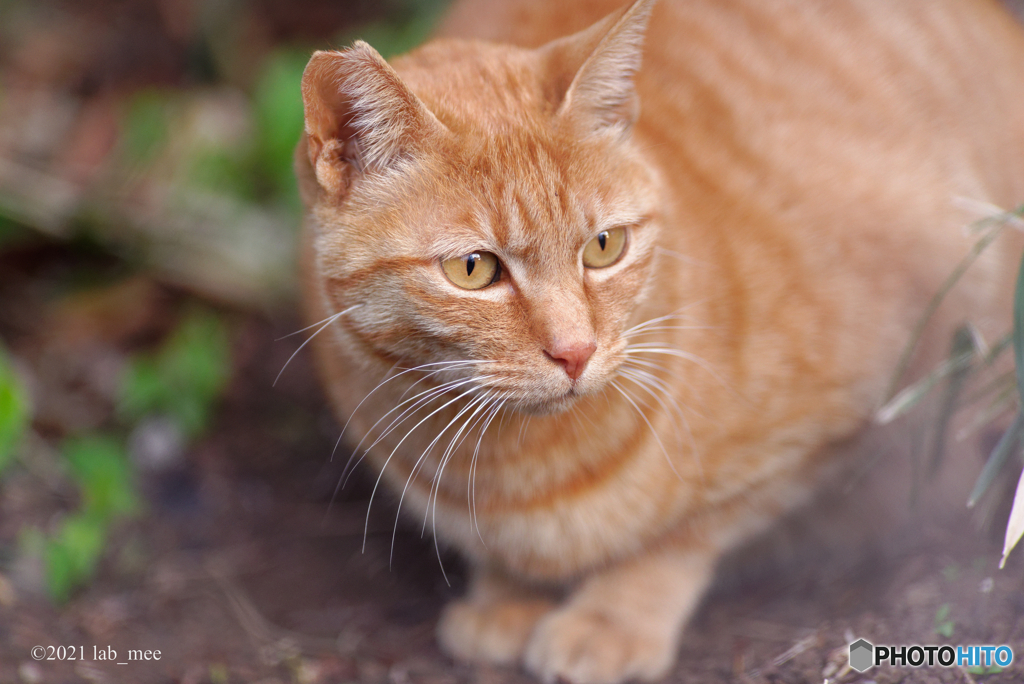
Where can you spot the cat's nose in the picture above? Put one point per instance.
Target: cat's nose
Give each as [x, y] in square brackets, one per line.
[573, 357]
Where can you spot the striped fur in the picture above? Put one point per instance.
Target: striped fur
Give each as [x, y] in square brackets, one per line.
[786, 182]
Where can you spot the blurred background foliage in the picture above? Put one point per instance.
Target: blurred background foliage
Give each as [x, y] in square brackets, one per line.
[163, 130]
[147, 199]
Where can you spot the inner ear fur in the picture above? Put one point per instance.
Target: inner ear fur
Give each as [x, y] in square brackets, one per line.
[360, 116]
[597, 68]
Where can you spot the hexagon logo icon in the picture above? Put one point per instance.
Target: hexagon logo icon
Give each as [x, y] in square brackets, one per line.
[862, 654]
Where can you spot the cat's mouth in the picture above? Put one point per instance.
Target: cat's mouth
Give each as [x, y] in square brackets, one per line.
[553, 405]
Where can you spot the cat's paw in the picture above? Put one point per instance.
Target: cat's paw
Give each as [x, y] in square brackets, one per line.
[586, 646]
[492, 632]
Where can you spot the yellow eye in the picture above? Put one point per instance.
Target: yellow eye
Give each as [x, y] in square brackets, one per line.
[473, 271]
[605, 249]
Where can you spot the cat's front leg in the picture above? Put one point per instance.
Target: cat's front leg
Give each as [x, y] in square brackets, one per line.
[494, 621]
[622, 623]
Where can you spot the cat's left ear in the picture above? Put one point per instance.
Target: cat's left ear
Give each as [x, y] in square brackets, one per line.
[602, 94]
[360, 116]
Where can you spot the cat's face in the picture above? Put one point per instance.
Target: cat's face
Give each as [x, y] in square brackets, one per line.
[495, 226]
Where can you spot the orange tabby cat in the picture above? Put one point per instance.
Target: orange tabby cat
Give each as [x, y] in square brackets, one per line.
[598, 304]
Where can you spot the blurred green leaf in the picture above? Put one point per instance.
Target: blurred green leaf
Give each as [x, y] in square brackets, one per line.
[393, 37]
[195, 363]
[146, 125]
[14, 411]
[1018, 330]
[943, 625]
[83, 537]
[101, 466]
[278, 114]
[994, 226]
[222, 171]
[183, 379]
[60, 571]
[11, 232]
[142, 388]
[964, 344]
[910, 396]
[218, 673]
[997, 459]
[72, 554]
[982, 670]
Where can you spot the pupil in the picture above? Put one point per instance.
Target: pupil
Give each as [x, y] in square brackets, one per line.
[471, 263]
[602, 239]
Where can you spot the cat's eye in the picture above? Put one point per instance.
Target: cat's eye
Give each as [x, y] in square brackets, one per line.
[472, 271]
[605, 249]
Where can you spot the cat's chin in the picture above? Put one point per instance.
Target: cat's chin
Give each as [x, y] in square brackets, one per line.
[555, 405]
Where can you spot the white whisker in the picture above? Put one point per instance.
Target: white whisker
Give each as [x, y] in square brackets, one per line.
[369, 506]
[421, 460]
[435, 485]
[456, 441]
[646, 381]
[440, 474]
[417, 401]
[655, 348]
[472, 467]
[678, 313]
[661, 328]
[302, 330]
[446, 365]
[654, 432]
[329, 320]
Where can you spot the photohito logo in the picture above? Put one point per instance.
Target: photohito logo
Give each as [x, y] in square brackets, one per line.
[865, 655]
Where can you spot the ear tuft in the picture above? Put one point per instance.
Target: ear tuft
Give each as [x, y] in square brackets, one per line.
[360, 116]
[602, 94]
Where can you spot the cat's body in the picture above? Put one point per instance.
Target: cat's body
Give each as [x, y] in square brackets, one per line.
[787, 200]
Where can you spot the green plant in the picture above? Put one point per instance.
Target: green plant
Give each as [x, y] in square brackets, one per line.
[181, 380]
[11, 232]
[14, 411]
[982, 670]
[146, 125]
[258, 168]
[970, 355]
[943, 625]
[101, 469]
[278, 115]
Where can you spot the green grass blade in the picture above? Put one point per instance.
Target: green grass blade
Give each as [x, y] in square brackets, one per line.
[997, 459]
[910, 396]
[1018, 330]
[963, 345]
[995, 226]
[14, 411]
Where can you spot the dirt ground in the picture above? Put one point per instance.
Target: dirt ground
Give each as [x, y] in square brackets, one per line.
[243, 567]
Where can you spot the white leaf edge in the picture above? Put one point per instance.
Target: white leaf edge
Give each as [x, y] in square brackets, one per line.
[1015, 525]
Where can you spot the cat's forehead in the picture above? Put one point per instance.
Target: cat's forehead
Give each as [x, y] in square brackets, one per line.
[473, 84]
[517, 181]
[524, 193]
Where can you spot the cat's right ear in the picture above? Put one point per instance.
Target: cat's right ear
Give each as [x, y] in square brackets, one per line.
[605, 59]
[360, 116]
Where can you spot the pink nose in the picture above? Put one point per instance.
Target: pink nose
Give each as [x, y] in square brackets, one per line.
[572, 357]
